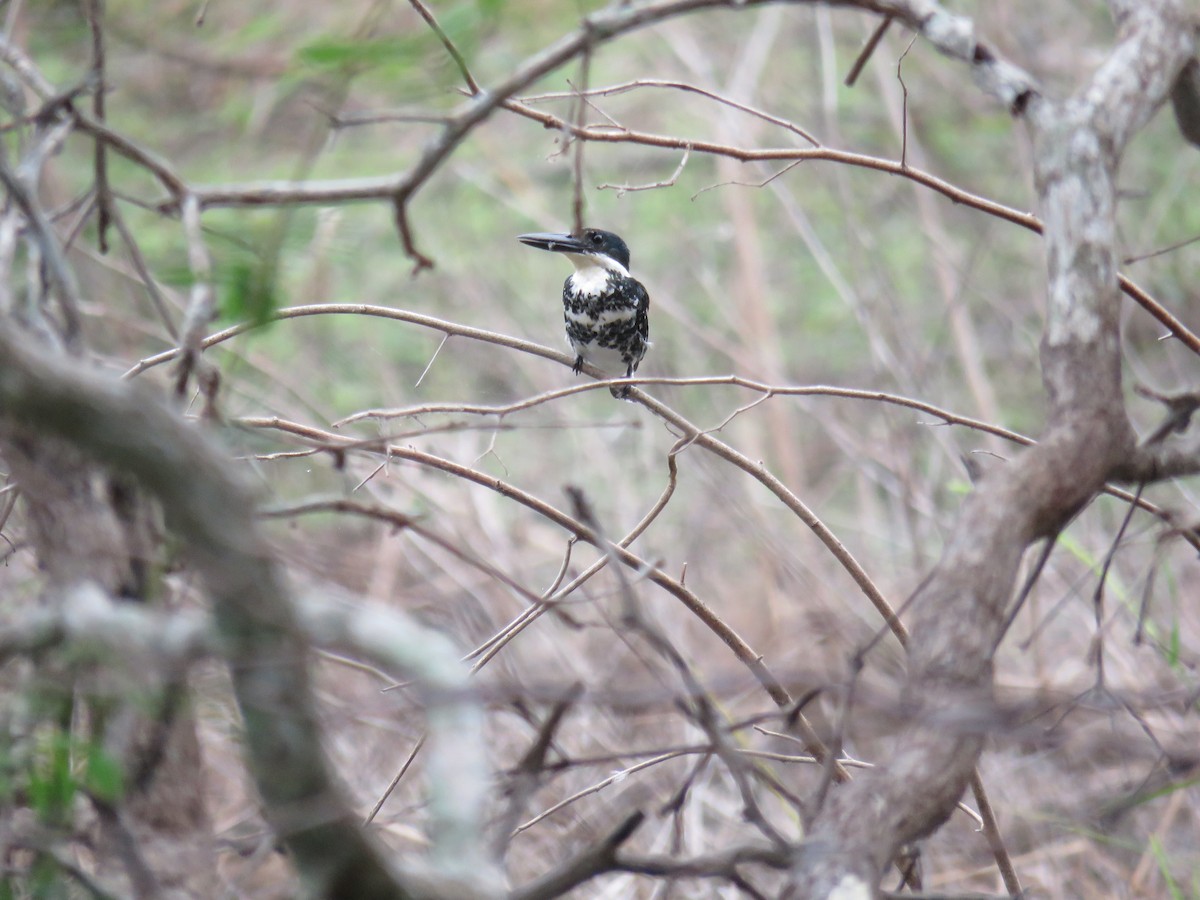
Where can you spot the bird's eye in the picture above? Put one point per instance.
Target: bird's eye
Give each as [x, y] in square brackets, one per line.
[597, 240]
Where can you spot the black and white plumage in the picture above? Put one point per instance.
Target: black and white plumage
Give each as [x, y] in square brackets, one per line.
[606, 310]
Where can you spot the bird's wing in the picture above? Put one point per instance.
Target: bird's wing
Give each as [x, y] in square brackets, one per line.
[643, 309]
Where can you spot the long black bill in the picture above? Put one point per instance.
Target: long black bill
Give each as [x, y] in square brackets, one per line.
[559, 243]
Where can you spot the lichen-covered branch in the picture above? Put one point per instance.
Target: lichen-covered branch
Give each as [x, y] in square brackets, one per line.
[959, 616]
[125, 428]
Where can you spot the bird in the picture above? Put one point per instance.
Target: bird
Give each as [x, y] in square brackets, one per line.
[606, 310]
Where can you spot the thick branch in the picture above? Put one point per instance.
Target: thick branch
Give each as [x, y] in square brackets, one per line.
[127, 429]
[958, 619]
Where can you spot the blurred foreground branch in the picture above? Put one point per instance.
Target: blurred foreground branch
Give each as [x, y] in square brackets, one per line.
[123, 427]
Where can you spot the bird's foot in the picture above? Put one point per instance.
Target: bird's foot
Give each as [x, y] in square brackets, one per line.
[622, 393]
[578, 367]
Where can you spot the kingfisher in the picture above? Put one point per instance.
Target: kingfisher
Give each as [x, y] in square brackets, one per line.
[606, 309]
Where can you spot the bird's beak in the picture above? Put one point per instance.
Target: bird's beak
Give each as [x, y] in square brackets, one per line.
[559, 243]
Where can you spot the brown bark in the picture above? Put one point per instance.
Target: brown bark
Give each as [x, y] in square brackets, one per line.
[87, 528]
[958, 618]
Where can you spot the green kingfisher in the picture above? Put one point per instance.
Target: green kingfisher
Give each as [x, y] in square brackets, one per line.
[604, 307]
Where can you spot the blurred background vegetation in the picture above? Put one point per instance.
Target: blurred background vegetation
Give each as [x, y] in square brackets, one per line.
[826, 274]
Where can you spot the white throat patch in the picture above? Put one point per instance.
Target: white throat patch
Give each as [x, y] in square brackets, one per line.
[591, 272]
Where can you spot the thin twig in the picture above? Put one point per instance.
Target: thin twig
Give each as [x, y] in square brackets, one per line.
[157, 299]
[1170, 248]
[554, 596]
[400, 520]
[615, 89]
[669, 182]
[904, 101]
[991, 831]
[598, 857]
[425, 13]
[94, 10]
[61, 274]
[757, 472]
[585, 65]
[395, 782]
[596, 787]
[432, 360]
[696, 704]
[868, 50]
[201, 309]
[531, 769]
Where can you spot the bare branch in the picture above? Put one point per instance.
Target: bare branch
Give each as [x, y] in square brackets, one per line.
[531, 770]
[104, 200]
[66, 287]
[959, 615]
[202, 307]
[157, 298]
[616, 89]
[868, 50]
[694, 433]
[598, 858]
[432, 22]
[120, 426]
[669, 182]
[745, 654]
[399, 520]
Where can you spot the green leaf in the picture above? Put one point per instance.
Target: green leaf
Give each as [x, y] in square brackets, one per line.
[1173, 645]
[103, 777]
[337, 53]
[51, 786]
[249, 293]
[1164, 868]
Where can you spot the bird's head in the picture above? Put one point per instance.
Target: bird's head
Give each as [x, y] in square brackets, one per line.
[590, 246]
